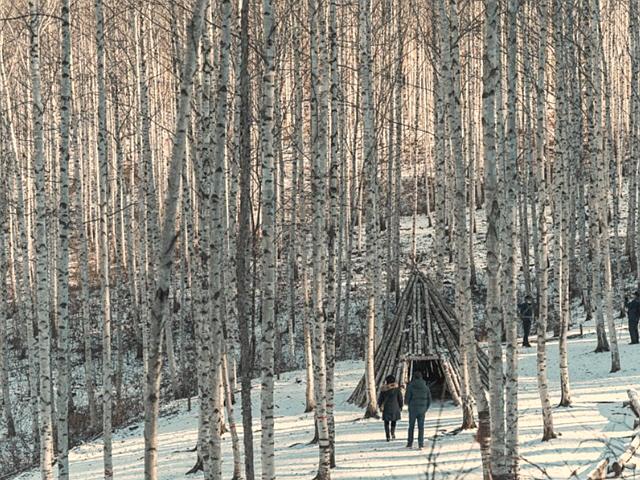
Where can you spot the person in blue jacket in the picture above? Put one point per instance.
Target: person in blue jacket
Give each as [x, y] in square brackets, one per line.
[418, 399]
[633, 314]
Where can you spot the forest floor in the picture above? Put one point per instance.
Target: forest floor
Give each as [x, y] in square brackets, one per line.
[597, 425]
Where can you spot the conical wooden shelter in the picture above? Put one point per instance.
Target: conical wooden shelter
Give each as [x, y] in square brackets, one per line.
[423, 335]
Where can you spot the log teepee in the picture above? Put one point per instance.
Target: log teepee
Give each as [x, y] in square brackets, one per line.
[423, 335]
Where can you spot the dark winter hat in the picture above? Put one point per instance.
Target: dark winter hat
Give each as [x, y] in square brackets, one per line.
[528, 297]
[390, 379]
[417, 374]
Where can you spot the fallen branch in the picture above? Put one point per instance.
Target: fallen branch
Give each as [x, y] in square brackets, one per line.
[634, 403]
[600, 471]
[623, 460]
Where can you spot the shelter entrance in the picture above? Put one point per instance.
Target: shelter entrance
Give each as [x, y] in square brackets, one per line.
[432, 371]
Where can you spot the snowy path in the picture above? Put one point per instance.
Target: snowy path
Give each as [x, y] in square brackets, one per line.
[595, 424]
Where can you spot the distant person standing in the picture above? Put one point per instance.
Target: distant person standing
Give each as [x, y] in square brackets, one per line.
[390, 400]
[633, 315]
[418, 399]
[527, 314]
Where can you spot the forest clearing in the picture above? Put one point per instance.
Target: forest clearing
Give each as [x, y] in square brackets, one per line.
[597, 426]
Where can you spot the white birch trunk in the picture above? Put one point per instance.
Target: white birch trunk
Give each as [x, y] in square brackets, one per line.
[204, 179]
[228, 400]
[548, 432]
[25, 291]
[219, 220]
[509, 244]
[333, 274]
[104, 251]
[397, 160]
[601, 191]
[268, 243]
[83, 262]
[245, 232]
[450, 71]
[491, 76]
[169, 238]
[216, 249]
[42, 277]
[63, 259]
[317, 27]
[634, 134]
[559, 213]
[5, 219]
[471, 375]
[370, 154]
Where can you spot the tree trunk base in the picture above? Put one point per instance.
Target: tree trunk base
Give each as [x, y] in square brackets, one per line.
[198, 467]
[371, 413]
[564, 403]
[468, 422]
[313, 441]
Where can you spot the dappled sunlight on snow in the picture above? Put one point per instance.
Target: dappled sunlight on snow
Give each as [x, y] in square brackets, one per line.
[596, 424]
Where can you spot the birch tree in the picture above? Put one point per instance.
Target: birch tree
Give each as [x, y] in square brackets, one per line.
[548, 432]
[559, 184]
[333, 226]
[168, 241]
[598, 191]
[243, 253]
[25, 251]
[208, 433]
[268, 242]
[450, 28]
[509, 243]
[634, 133]
[319, 131]
[45, 424]
[104, 250]
[370, 167]
[219, 214]
[491, 74]
[63, 260]
[83, 260]
[5, 219]
[4, 331]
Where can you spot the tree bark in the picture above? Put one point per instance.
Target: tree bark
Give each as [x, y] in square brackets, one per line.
[508, 247]
[370, 166]
[42, 277]
[491, 78]
[169, 238]
[243, 254]
[548, 432]
[268, 242]
[63, 260]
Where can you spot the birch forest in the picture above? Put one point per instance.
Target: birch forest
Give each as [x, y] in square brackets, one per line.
[217, 217]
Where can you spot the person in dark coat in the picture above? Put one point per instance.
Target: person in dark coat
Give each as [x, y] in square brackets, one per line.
[418, 399]
[633, 315]
[527, 314]
[390, 401]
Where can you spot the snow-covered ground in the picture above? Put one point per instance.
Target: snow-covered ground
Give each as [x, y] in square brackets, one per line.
[597, 425]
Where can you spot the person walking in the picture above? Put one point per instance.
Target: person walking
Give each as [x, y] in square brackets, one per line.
[390, 401]
[633, 315]
[418, 399]
[527, 314]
